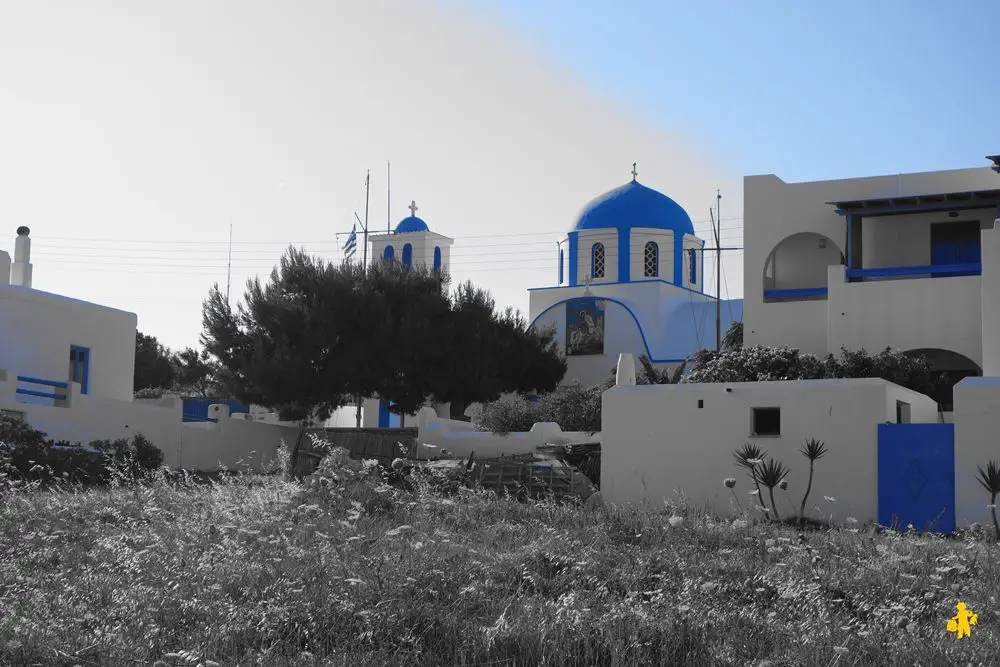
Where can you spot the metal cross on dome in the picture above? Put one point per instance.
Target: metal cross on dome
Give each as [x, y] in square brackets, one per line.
[413, 207]
[635, 172]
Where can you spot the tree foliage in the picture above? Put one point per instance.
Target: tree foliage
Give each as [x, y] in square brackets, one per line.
[153, 364]
[317, 335]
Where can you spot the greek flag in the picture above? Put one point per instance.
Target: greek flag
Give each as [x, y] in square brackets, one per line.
[352, 243]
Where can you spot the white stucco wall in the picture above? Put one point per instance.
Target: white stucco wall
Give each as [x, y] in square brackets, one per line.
[39, 328]
[775, 210]
[423, 247]
[657, 442]
[976, 417]
[664, 239]
[439, 437]
[585, 243]
[941, 313]
[192, 446]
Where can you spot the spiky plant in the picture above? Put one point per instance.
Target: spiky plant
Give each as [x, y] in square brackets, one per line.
[746, 458]
[813, 450]
[990, 480]
[770, 474]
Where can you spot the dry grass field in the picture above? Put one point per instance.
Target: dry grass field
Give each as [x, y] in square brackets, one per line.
[255, 570]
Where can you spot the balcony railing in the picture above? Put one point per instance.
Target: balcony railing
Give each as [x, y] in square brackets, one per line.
[792, 294]
[43, 383]
[970, 269]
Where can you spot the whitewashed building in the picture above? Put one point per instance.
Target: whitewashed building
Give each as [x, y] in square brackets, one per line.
[908, 261]
[50, 341]
[629, 279]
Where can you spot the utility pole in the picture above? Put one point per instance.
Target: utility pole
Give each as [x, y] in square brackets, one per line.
[716, 224]
[364, 254]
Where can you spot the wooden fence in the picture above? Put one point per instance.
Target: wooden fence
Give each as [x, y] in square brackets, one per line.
[382, 444]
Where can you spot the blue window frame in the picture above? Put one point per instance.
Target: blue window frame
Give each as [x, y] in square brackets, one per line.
[79, 366]
[693, 268]
[955, 243]
[388, 253]
[408, 255]
[560, 266]
[437, 258]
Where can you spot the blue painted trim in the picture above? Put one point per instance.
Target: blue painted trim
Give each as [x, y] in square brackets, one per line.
[794, 293]
[573, 258]
[678, 260]
[642, 334]
[84, 354]
[624, 252]
[560, 266]
[407, 255]
[970, 269]
[879, 212]
[701, 283]
[198, 418]
[47, 383]
[633, 282]
[389, 252]
[693, 258]
[41, 394]
[437, 258]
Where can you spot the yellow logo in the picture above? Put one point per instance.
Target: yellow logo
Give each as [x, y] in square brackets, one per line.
[961, 622]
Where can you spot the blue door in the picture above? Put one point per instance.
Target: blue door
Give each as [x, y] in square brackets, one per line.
[386, 418]
[916, 476]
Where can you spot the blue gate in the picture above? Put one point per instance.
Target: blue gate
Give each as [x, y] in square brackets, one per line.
[916, 476]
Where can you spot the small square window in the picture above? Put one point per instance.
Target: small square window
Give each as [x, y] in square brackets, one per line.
[766, 421]
[902, 412]
[701, 403]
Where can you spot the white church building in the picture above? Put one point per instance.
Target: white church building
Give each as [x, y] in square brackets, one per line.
[907, 261]
[630, 279]
[414, 244]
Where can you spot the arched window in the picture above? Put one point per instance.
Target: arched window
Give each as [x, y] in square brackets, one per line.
[560, 266]
[693, 263]
[407, 255]
[388, 253]
[437, 258]
[597, 260]
[651, 260]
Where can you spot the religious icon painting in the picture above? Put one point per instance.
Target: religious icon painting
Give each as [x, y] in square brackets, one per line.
[584, 326]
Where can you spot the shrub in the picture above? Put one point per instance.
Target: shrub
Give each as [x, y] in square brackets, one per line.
[28, 453]
[150, 393]
[508, 414]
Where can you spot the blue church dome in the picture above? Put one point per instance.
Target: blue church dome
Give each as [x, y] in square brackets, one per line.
[411, 224]
[634, 205]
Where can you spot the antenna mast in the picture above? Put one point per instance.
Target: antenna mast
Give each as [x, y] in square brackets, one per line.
[364, 260]
[229, 268]
[716, 224]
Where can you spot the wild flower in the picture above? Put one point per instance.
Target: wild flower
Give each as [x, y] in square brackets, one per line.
[675, 521]
[730, 482]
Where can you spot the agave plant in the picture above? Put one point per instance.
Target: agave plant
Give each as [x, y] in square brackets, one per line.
[771, 473]
[813, 450]
[990, 480]
[748, 457]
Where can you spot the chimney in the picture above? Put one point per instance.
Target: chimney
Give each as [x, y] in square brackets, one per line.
[20, 271]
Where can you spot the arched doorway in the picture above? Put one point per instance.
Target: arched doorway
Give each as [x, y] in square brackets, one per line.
[797, 267]
[954, 367]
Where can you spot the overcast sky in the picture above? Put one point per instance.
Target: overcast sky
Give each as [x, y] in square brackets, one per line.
[133, 134]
